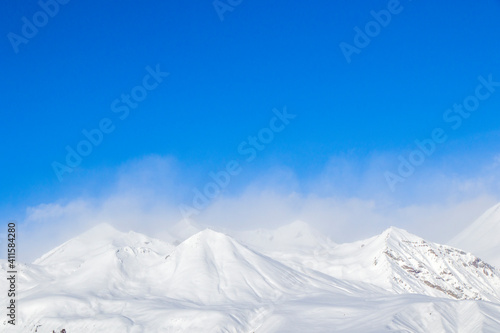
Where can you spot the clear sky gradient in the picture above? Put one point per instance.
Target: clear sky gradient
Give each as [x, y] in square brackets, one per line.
[225, 78]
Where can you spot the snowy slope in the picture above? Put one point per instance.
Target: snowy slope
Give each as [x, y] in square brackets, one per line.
[110, 281]
[211, 267]
[404, 263]
[112, 273]
[432, 269]
[482, 237]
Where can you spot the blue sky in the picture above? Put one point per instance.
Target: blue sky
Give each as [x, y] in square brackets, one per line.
[225, 78]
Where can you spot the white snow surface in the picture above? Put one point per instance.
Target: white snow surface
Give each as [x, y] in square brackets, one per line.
[482, 237]
[402, 263]
[292, 279]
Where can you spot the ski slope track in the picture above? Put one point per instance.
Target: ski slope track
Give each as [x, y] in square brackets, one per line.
[292, 279]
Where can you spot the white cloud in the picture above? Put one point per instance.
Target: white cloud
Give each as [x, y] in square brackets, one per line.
[144, 195]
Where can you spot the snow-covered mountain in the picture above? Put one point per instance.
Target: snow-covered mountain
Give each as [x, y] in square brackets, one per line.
[482, 237]
[291, 279]
[404, 263]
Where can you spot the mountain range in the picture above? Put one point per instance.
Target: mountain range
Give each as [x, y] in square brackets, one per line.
[292, 279]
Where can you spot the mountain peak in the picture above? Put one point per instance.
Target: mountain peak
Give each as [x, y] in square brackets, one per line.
[211, 266]
[400, 261]
[208, 235]
[98, 240]
[397, 232]
[101, 230]
[207, 242]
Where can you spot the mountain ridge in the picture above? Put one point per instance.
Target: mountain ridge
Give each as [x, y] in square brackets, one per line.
[294, 279]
